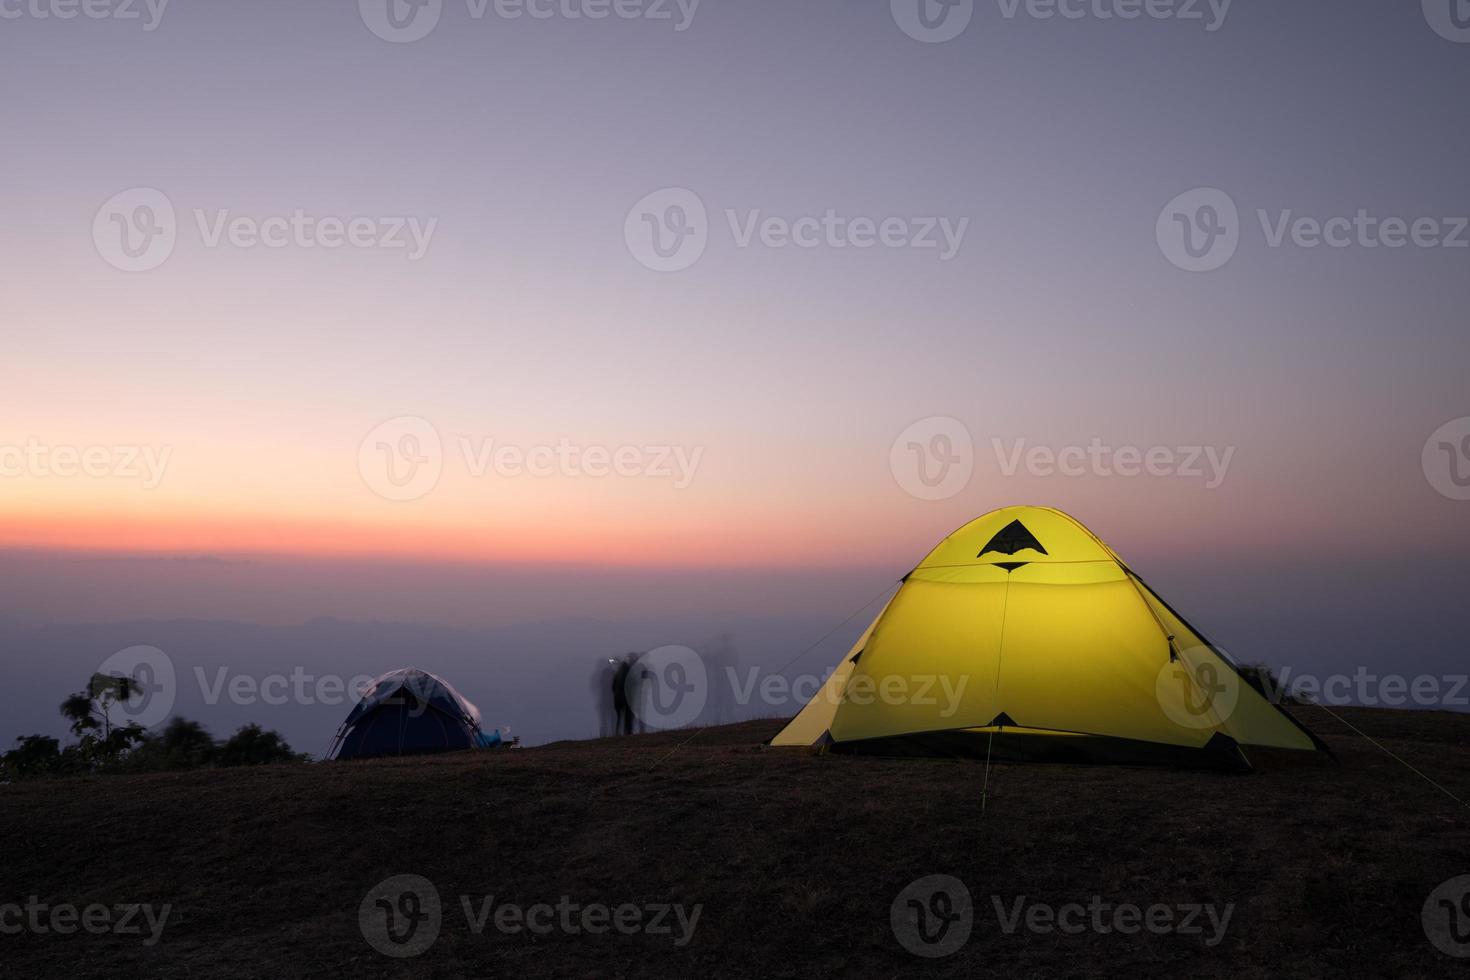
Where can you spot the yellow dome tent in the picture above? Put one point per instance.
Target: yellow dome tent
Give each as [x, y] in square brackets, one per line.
[1023, 636]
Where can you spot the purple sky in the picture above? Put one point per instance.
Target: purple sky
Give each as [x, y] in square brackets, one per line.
[1056, 316]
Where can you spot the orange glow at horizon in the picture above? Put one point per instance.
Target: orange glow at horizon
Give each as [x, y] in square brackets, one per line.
[668, 543]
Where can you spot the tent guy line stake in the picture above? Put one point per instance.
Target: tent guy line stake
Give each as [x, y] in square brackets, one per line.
[1000, 646]
[1374, 742]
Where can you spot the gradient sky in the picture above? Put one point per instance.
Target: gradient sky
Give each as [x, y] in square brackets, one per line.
[792, 371]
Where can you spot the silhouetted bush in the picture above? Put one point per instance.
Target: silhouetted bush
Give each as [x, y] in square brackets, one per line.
[252, 747]
[183, 744]
[103, 746]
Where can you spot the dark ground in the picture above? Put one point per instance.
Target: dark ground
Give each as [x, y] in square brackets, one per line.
[796, 859]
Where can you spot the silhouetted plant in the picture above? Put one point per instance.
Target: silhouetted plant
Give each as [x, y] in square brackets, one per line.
[251, 746]
[183, 744]
[36, 755]
[108, 746]
[90, 714]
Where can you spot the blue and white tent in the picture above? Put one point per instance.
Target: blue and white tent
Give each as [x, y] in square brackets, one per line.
[410, 712]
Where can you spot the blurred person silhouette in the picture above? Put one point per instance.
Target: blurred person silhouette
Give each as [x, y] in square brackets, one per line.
[601, 683]
[615, 685]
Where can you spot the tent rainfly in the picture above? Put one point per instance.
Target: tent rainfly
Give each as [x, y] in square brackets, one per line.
[409, 712]
[1022, 636]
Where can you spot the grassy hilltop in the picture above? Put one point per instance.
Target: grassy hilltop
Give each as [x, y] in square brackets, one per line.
[793, 860]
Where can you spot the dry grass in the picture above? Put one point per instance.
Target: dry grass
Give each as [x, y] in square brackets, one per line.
[795, 859]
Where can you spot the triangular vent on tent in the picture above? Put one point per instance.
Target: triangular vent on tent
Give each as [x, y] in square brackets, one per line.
[1012, 538]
